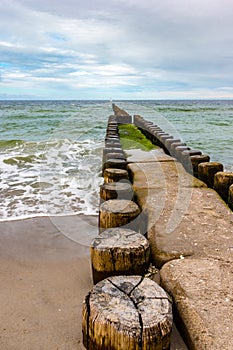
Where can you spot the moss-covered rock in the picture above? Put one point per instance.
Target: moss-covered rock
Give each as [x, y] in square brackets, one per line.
[131, 138]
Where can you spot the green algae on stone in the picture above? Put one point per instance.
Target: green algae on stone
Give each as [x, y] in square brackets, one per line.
[132, 138]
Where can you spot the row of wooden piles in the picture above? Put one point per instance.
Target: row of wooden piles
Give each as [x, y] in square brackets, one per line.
[125, 309]
[196, 163]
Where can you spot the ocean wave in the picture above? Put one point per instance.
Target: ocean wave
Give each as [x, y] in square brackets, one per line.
[54, 177]
[5, 144]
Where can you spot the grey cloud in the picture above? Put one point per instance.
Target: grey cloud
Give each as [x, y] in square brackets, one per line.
[181, 43]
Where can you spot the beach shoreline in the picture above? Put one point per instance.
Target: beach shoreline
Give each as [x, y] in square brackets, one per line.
[44, 278]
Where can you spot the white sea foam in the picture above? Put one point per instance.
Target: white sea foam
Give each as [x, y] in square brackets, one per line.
[63, 178]
[50, 157]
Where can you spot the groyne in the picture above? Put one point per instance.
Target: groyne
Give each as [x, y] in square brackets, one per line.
[187, 234]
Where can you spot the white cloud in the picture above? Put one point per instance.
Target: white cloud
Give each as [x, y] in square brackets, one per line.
[172, 48]
[16, 75]
[8, 44]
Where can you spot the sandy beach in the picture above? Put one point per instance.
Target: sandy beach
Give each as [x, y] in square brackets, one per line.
[45, 274]
[44, 278]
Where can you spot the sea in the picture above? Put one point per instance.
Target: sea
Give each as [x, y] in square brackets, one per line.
[51, 151]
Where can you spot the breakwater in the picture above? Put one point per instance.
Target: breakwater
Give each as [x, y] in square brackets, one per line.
[189, 231]
[190, 159]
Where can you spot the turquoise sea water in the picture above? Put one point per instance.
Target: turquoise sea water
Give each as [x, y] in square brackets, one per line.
[51, 151]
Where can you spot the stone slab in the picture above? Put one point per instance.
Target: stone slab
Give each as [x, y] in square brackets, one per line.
[155, 155]
[183, 217]
[194, 222]
[166, 175]
[203, 301]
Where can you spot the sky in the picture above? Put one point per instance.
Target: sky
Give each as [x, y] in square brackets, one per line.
[116, 49]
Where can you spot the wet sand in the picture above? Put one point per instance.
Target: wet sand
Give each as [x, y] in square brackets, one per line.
[45, 274]
[44, 278]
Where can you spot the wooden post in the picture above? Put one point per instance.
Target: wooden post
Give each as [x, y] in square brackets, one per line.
[154, 128]
[222, 183]
[119, 251]
[115, 163]
[230, 197]
[112, 134]
[112, 138]
[108, 150]
[196, 160]
[178, 151]
[127, 313]
[112, 127]
[117, 213]
[110, 156]
[169, 142]
[116, 190]
[163, 139]
[114, 155]
[173, 147]
[155, 131]
[113, 124]
[206, 172]
[115, 175]
[186, 161]
[113, 145]
[160, 133]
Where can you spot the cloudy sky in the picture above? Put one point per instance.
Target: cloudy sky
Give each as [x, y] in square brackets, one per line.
[120, 49]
